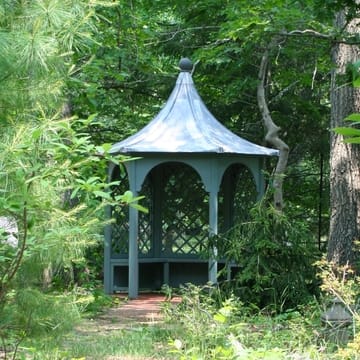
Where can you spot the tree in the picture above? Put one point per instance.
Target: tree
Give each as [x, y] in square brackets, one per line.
[344, 157]
[272, 135]
[43, 155]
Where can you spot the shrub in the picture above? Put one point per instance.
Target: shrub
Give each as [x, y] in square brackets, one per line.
[273, 253]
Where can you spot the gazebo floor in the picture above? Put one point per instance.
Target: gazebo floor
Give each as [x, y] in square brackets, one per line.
[127, 314]
[146, 309]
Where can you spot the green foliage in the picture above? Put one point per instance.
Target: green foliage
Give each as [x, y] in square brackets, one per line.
[128, 72]
[31, 313]
[274, 254]
[118, 60]
[36, 53]
[44, 313]
[100, 301]
[352, 133]
[343, 283]
[212, 326]
[38, 167]
[52, 177]
[135, 341]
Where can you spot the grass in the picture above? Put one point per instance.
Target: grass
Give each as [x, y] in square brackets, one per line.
[135, 342]
[146, 341]
[201, 327]
[261, 337]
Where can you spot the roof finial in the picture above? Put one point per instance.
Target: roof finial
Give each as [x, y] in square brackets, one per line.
[185, 64]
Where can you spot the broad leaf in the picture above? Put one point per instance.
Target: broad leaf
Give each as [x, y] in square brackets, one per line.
[347, 131]
[353, 117]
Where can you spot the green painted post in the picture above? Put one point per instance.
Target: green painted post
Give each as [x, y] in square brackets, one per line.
[157, 220]
[213, 230]
[133, 253]
[133, 290]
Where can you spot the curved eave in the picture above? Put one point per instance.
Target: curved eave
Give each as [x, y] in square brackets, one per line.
[140, 152]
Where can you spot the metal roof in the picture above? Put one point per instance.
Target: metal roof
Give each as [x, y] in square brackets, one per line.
[185, 125]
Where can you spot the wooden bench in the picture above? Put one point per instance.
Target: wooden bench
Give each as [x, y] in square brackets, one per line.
[155, 272]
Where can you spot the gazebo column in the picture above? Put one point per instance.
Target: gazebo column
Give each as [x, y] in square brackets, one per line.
[133, 253]
[133, 235]
[213, 230]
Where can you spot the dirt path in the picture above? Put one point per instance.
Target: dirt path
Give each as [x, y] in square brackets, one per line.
[146, 309]
[128, 314]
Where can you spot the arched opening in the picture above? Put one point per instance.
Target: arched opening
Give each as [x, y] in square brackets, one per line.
[182, 205]
[237, 196]
[172, 236]
[178, 224]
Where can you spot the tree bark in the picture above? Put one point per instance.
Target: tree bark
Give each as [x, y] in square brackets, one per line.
[272, 136]
[344, 158]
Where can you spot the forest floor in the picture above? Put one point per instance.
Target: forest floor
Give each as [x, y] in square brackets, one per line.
[127, 314]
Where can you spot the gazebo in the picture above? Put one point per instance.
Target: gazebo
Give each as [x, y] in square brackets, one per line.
[196, 176]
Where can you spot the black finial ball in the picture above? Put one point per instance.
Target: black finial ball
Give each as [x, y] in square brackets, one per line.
[185, 64]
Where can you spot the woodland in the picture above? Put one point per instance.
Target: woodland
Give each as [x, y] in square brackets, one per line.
[77, 76]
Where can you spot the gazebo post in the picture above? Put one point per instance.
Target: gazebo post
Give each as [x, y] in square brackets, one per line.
[133, 253]
[133, 236]
[213, 230]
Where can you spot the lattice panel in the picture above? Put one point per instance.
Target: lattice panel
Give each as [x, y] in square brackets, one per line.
[184, 212]
[120, 229]
[145, 242]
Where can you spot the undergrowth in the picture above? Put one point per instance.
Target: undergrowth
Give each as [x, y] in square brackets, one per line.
[207, 324]
[210, 326]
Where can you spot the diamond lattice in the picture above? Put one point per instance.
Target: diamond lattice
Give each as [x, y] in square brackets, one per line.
[145, 242]
[184, 212]
[120, 228]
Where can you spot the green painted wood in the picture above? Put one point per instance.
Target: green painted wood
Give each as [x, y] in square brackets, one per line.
[184, 132]
[210, 170]
[133, 238]
[213, 230]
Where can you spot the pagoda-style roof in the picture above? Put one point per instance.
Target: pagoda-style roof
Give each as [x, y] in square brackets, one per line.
[185, 125]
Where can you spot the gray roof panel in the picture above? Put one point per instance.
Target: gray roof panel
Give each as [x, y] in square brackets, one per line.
[185, 125]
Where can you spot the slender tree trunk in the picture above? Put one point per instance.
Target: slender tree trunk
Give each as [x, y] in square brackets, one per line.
[344, 158]
[272, 136]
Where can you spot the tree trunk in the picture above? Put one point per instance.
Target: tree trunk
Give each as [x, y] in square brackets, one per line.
[344, 158]
[272, 135]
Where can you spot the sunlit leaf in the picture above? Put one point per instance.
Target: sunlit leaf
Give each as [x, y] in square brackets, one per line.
[139, 207]
[353, 117]
[347, 131]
